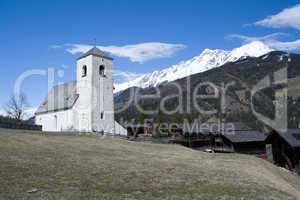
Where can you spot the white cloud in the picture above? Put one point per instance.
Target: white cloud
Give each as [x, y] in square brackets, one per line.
[289, 17]
[56, 46]
[273, 36]
[272, 41]
[125, 76]
[286, 46]
[136, 53]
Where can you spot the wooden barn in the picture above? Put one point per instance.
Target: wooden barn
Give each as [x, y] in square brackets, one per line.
[283, 148]
[195, 129]
[243, 141]
[224, 137]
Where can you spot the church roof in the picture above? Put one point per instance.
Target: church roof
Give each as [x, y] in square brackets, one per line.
[60, 97]
[96, 52]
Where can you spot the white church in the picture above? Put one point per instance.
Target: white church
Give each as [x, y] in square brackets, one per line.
[84, 105]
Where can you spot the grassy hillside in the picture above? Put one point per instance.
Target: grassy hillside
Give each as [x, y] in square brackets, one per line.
[39, 166]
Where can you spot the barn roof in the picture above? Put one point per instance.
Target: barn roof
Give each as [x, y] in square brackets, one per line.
[245, 136]
[95, 52]
[60, 97]
[206, 128]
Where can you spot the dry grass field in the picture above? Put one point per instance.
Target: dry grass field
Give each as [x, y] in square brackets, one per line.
[52, 166]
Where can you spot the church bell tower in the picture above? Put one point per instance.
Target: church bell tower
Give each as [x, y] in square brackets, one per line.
[95, 108]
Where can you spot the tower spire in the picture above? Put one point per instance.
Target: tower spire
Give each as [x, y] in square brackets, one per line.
[95, 42]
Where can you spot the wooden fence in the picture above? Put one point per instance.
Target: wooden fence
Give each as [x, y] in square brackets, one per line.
[14, 124]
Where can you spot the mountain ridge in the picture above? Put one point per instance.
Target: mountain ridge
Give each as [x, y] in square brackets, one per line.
[244, 73]
[207, 60]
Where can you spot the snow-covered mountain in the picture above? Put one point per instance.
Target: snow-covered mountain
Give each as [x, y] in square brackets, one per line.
[207, 60]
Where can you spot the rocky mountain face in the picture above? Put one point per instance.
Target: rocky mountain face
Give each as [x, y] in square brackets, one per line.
[207, 60]
[243, 74]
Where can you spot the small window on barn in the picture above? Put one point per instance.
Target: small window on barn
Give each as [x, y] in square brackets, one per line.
[102, 115]
[84, 71]
[101, 70]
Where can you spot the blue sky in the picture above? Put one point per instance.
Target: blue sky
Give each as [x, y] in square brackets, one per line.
[37, 34]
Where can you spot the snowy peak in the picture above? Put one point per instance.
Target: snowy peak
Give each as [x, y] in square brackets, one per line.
[207, 60]
[253, 49]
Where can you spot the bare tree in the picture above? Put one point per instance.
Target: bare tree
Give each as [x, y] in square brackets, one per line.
[15, 108]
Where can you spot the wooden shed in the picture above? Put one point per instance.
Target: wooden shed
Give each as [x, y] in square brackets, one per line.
[224, 137]
[245, 141]
[283, 148]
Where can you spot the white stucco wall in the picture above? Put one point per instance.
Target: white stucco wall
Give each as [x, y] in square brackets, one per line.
[56, 121]
[95, 96]
[82, 108]
[120, 130]
[102, 97]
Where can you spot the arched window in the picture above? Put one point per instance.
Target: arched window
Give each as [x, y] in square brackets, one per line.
[84, 71]
[101, 70]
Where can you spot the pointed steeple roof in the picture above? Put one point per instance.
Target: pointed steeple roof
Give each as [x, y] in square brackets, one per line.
[95, 52]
